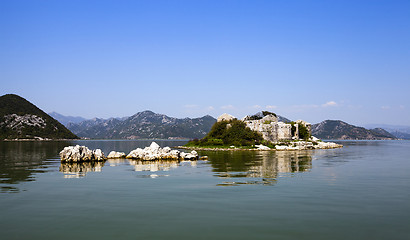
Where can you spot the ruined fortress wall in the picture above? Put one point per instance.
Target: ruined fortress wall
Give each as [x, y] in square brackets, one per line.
[272, 131]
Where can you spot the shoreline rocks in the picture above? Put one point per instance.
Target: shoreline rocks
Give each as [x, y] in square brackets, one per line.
[114, 154]
[153, 152]
[291, 146]
[81, 154]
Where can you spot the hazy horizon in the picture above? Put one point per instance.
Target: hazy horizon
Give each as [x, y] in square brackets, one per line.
[316, 60]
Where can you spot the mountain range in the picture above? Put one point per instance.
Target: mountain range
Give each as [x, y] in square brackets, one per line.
[142, 125]
[336, 129]
[20, 119]
[65, 120]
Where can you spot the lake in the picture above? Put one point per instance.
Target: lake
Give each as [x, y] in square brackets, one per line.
[361, 191]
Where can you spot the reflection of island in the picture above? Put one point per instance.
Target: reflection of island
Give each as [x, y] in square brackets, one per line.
[80, 169]
[259, 167]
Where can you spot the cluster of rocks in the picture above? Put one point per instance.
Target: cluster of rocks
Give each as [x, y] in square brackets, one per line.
[81, 153]
[153, 152]
[304, 145]
[313, 143]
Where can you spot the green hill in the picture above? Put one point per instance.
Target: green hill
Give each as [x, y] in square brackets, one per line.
[20, 119]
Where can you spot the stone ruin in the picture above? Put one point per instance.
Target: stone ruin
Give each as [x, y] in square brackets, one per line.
[268, 125]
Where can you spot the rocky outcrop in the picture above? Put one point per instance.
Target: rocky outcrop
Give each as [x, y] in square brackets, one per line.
[155, 152]
[81, 153]
[270, 128]
[225, 117]
[305, 145]
[114, 154]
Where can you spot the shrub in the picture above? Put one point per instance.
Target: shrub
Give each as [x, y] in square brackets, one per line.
[237, 134]
[303, 132]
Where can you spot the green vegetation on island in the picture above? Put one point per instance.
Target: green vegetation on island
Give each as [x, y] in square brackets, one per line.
[225, 134]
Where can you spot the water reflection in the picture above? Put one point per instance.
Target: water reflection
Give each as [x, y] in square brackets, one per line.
[258, 167]
[20, 161]
[154, 166]
[77, 170]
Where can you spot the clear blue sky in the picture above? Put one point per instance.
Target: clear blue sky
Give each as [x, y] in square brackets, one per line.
[311, 60]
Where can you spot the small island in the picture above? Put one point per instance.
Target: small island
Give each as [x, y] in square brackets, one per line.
[261, 131]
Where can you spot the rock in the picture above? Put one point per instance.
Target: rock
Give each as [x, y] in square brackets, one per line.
[81, 153]
[166, 149]
[154, 146]
[281, 147]
[262, 147]
[114, 154]
[155, 152]
[225, 117]
[98, 155]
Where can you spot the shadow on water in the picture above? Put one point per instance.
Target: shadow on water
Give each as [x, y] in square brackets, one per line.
[252, 167]
[20, 161]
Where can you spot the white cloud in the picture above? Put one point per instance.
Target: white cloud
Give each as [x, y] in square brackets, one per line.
[256, 106]
[271, 107]
[330, 104]
[385, 107]
[227, 107]
[210, 108]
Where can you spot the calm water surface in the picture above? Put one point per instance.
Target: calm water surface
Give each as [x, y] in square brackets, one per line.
[361, 191]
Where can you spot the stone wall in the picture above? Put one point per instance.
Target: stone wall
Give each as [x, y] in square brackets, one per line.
[270, 128]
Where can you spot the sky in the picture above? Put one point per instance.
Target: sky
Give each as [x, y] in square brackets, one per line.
[310, 60]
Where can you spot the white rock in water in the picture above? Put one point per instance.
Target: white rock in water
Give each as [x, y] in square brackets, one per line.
[166, 150]
[262, 147]
[154, 146]
[98, 155]
[80, 153]
[155, 152]
[114, 154]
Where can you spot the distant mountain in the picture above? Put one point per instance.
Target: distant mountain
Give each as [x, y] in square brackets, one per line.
[401, 132]
[390, 128]
[145, 124]
[335, 129]
[65, 120]
[22, 120]
[401, 135]
[283, 119]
